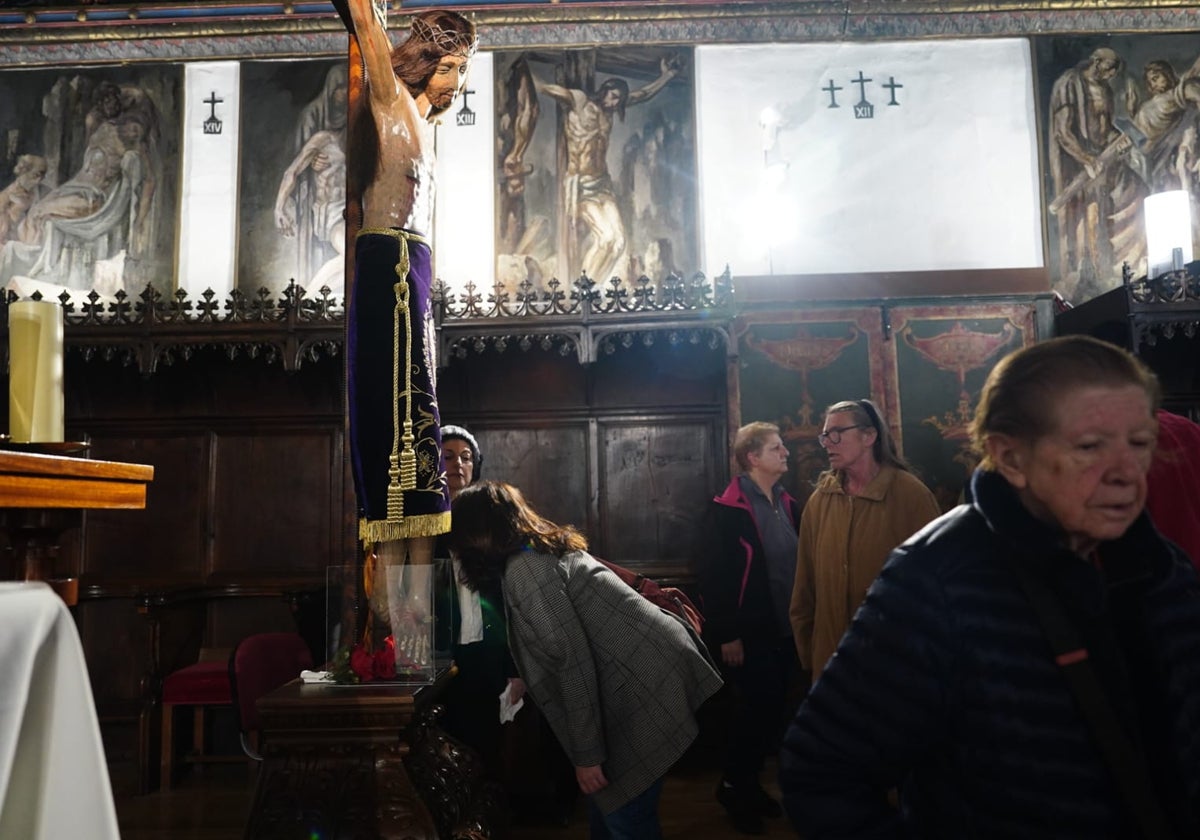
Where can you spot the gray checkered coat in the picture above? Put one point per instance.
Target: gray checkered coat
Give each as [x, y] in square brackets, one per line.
[617, 678]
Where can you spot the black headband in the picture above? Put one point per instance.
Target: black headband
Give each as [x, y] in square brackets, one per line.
[871, 413]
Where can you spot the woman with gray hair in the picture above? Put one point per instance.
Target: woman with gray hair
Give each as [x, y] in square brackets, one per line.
[866, 504]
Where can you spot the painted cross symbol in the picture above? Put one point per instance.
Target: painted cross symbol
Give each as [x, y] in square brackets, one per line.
[465, 115]
[892, 85]
[864, 110]
[212, 100]
[832, 90]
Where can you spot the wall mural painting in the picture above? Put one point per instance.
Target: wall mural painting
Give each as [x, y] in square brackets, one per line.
[293, 176]
[596, 165]
[792, 367]
[1122, 116]
[942, 360]
[89, 180]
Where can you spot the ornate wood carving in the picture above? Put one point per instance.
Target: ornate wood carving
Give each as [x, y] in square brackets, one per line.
[365, 761]
[155, 330]
[451, 780]
[588, 319]
[1164, 306]
[213, 29]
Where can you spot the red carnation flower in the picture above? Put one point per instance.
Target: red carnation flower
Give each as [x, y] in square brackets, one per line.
[361, 664]
[385, 663]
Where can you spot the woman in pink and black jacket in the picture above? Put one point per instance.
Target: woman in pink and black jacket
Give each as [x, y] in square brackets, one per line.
[747, 564]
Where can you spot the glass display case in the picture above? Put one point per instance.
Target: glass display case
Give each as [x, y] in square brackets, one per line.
[379, 623]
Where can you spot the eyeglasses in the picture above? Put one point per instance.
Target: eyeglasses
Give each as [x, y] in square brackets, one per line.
[462, 458]
[834, 433]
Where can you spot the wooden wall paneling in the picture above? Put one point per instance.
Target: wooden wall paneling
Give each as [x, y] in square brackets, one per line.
[512, 382]
[656, 474]
[548, 462]
[246, 511]
[229, 620]
[166, 543]
[546, 424]
[659, 376]
[277, 503]
[943, 354]
[117, 645]
[793, 363]
[1176, 361]
[116, 642]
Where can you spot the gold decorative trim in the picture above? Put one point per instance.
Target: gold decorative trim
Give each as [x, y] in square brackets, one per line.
[371, 531]
[310, 31]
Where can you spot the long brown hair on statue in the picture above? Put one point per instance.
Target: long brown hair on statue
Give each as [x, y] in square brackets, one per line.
[433, 35]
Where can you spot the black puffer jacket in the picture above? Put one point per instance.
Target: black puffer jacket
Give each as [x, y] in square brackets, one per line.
[946, 688]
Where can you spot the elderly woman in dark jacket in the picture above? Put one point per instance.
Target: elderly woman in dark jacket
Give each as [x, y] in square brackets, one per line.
[618, 679]
[947, 685]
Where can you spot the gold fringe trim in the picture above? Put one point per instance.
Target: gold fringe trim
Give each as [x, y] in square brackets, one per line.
[371, 531]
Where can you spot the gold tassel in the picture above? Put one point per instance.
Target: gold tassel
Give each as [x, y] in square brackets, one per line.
[395, 490]
[408, 455]
[408, 462]
[395, 503]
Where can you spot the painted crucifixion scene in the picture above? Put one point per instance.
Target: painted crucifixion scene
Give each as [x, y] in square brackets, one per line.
[596, 165]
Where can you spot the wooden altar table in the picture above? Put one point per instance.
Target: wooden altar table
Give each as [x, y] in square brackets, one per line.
[41, 496]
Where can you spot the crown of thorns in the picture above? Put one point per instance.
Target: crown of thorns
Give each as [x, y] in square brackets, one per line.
[449, 40]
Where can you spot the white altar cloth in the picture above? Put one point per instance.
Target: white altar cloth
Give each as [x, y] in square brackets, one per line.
[53, 777]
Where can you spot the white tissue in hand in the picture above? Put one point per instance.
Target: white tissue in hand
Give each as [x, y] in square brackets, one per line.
[508, 709]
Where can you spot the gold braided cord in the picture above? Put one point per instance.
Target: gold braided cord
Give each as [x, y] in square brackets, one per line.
[408, 455]
[395, 233]
[371, 531]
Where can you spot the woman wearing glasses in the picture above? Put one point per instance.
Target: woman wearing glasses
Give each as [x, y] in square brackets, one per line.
[864, 505]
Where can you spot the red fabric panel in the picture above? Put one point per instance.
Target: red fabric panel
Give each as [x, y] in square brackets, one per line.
[1174, 497]
[205, 683]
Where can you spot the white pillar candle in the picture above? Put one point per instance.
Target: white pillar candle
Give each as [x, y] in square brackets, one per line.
[35, 371]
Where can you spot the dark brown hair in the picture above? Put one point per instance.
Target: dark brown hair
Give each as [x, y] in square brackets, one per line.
[491, 521]
[414, 62]
[1022, 392]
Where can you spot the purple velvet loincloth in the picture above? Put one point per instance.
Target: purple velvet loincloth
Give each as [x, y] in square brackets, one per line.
[378, 384]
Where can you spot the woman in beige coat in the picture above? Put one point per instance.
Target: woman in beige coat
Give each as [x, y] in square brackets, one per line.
[866, 504]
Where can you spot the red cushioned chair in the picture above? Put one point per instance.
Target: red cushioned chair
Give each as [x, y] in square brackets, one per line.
[200, 686]
[258, 665]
